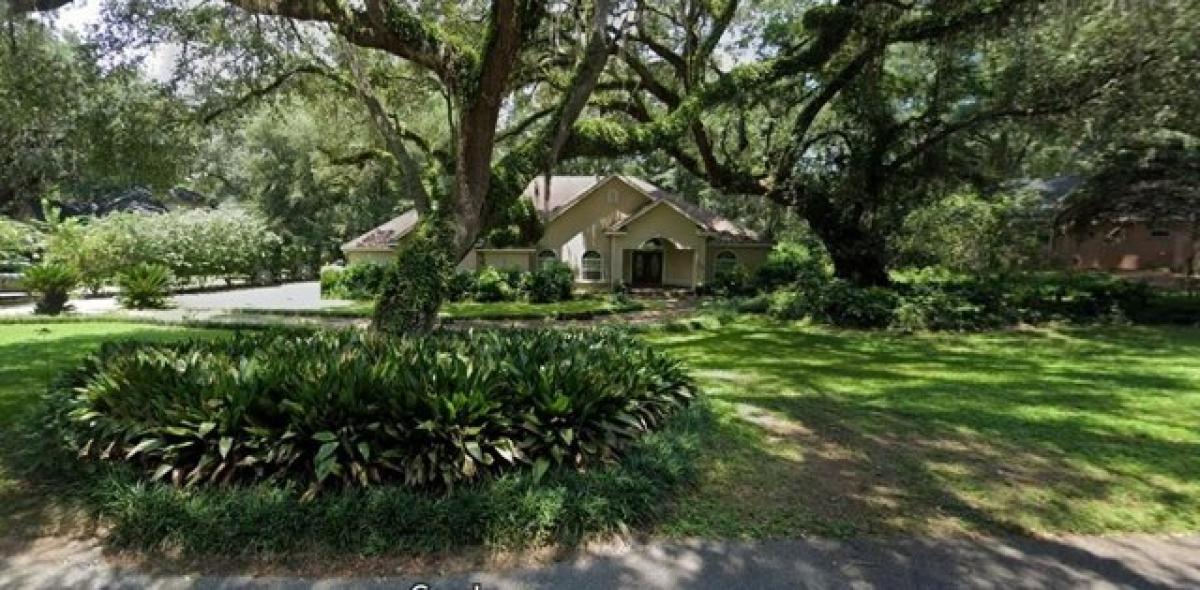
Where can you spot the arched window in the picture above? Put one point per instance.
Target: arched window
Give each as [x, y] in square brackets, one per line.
[653, 244]
[546, 258]
[591, 266]
[726, 262]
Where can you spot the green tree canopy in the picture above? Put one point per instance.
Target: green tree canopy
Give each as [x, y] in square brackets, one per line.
[68, 123]
[1152, 179]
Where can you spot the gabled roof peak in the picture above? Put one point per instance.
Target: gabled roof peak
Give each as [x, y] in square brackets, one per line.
[565, 191]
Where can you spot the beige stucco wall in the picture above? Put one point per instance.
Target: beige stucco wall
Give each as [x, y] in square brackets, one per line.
[369, 256]
[470, 262]
[677, 267]
[581, 227]
[748, 256]
[684, 254]
[505, 259]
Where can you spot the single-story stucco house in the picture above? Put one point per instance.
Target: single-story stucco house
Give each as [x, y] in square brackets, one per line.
[610, 230]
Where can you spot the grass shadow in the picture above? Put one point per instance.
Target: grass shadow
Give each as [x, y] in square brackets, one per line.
[842, 432]
[37, 499]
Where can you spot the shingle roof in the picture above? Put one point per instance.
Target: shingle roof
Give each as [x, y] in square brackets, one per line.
[565, 190]
[386, 235]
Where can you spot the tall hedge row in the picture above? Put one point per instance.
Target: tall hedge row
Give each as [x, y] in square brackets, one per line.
[224, 243]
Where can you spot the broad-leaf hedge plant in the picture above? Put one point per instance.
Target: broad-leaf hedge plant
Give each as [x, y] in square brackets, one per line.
[356, 410]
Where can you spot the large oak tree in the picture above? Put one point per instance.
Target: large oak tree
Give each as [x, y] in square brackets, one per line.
[852, 114]
[861, 111]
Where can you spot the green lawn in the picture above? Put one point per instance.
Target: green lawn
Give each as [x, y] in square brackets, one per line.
[31, 355]
[1088, 430]
[465, 310]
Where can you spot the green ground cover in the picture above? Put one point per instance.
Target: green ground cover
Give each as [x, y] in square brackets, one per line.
[817, 430]
[1084, 430]
[44, 491]
[31, 356]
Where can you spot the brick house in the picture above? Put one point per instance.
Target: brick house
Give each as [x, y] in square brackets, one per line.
[1134, 245]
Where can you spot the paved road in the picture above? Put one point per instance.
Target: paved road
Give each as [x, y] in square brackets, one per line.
[1080, 562]
[294, 296]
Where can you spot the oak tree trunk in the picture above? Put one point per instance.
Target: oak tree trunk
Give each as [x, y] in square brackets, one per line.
[858, 254]
[861, 262]
[858, 251]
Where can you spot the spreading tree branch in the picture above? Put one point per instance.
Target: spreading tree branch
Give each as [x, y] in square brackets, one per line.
[603, 136]
[262, 91]
[410, 171]
[523, 125]
[388, 26]
[358, 158]
[1067, 101]
[649, 81]
[708, 45]
[587, 74]
[808, 115]
[27, 6]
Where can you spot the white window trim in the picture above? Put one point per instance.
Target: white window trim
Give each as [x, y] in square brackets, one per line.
[540, 259]
[717, 261]
[582, 277]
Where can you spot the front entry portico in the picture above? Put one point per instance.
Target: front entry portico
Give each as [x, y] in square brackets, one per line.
[655, 263]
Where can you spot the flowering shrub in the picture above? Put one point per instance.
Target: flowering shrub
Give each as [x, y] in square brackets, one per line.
[202, 243]
[18, 242]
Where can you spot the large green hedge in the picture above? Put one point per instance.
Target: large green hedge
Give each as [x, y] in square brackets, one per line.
[224, 243]
[513, 510]
[554, 282]
[933, 301]
[354, 410]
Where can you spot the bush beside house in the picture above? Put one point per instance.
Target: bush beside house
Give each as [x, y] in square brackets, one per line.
[365, 281]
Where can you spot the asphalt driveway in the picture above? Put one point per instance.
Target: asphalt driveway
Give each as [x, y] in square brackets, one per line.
[289, 296]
